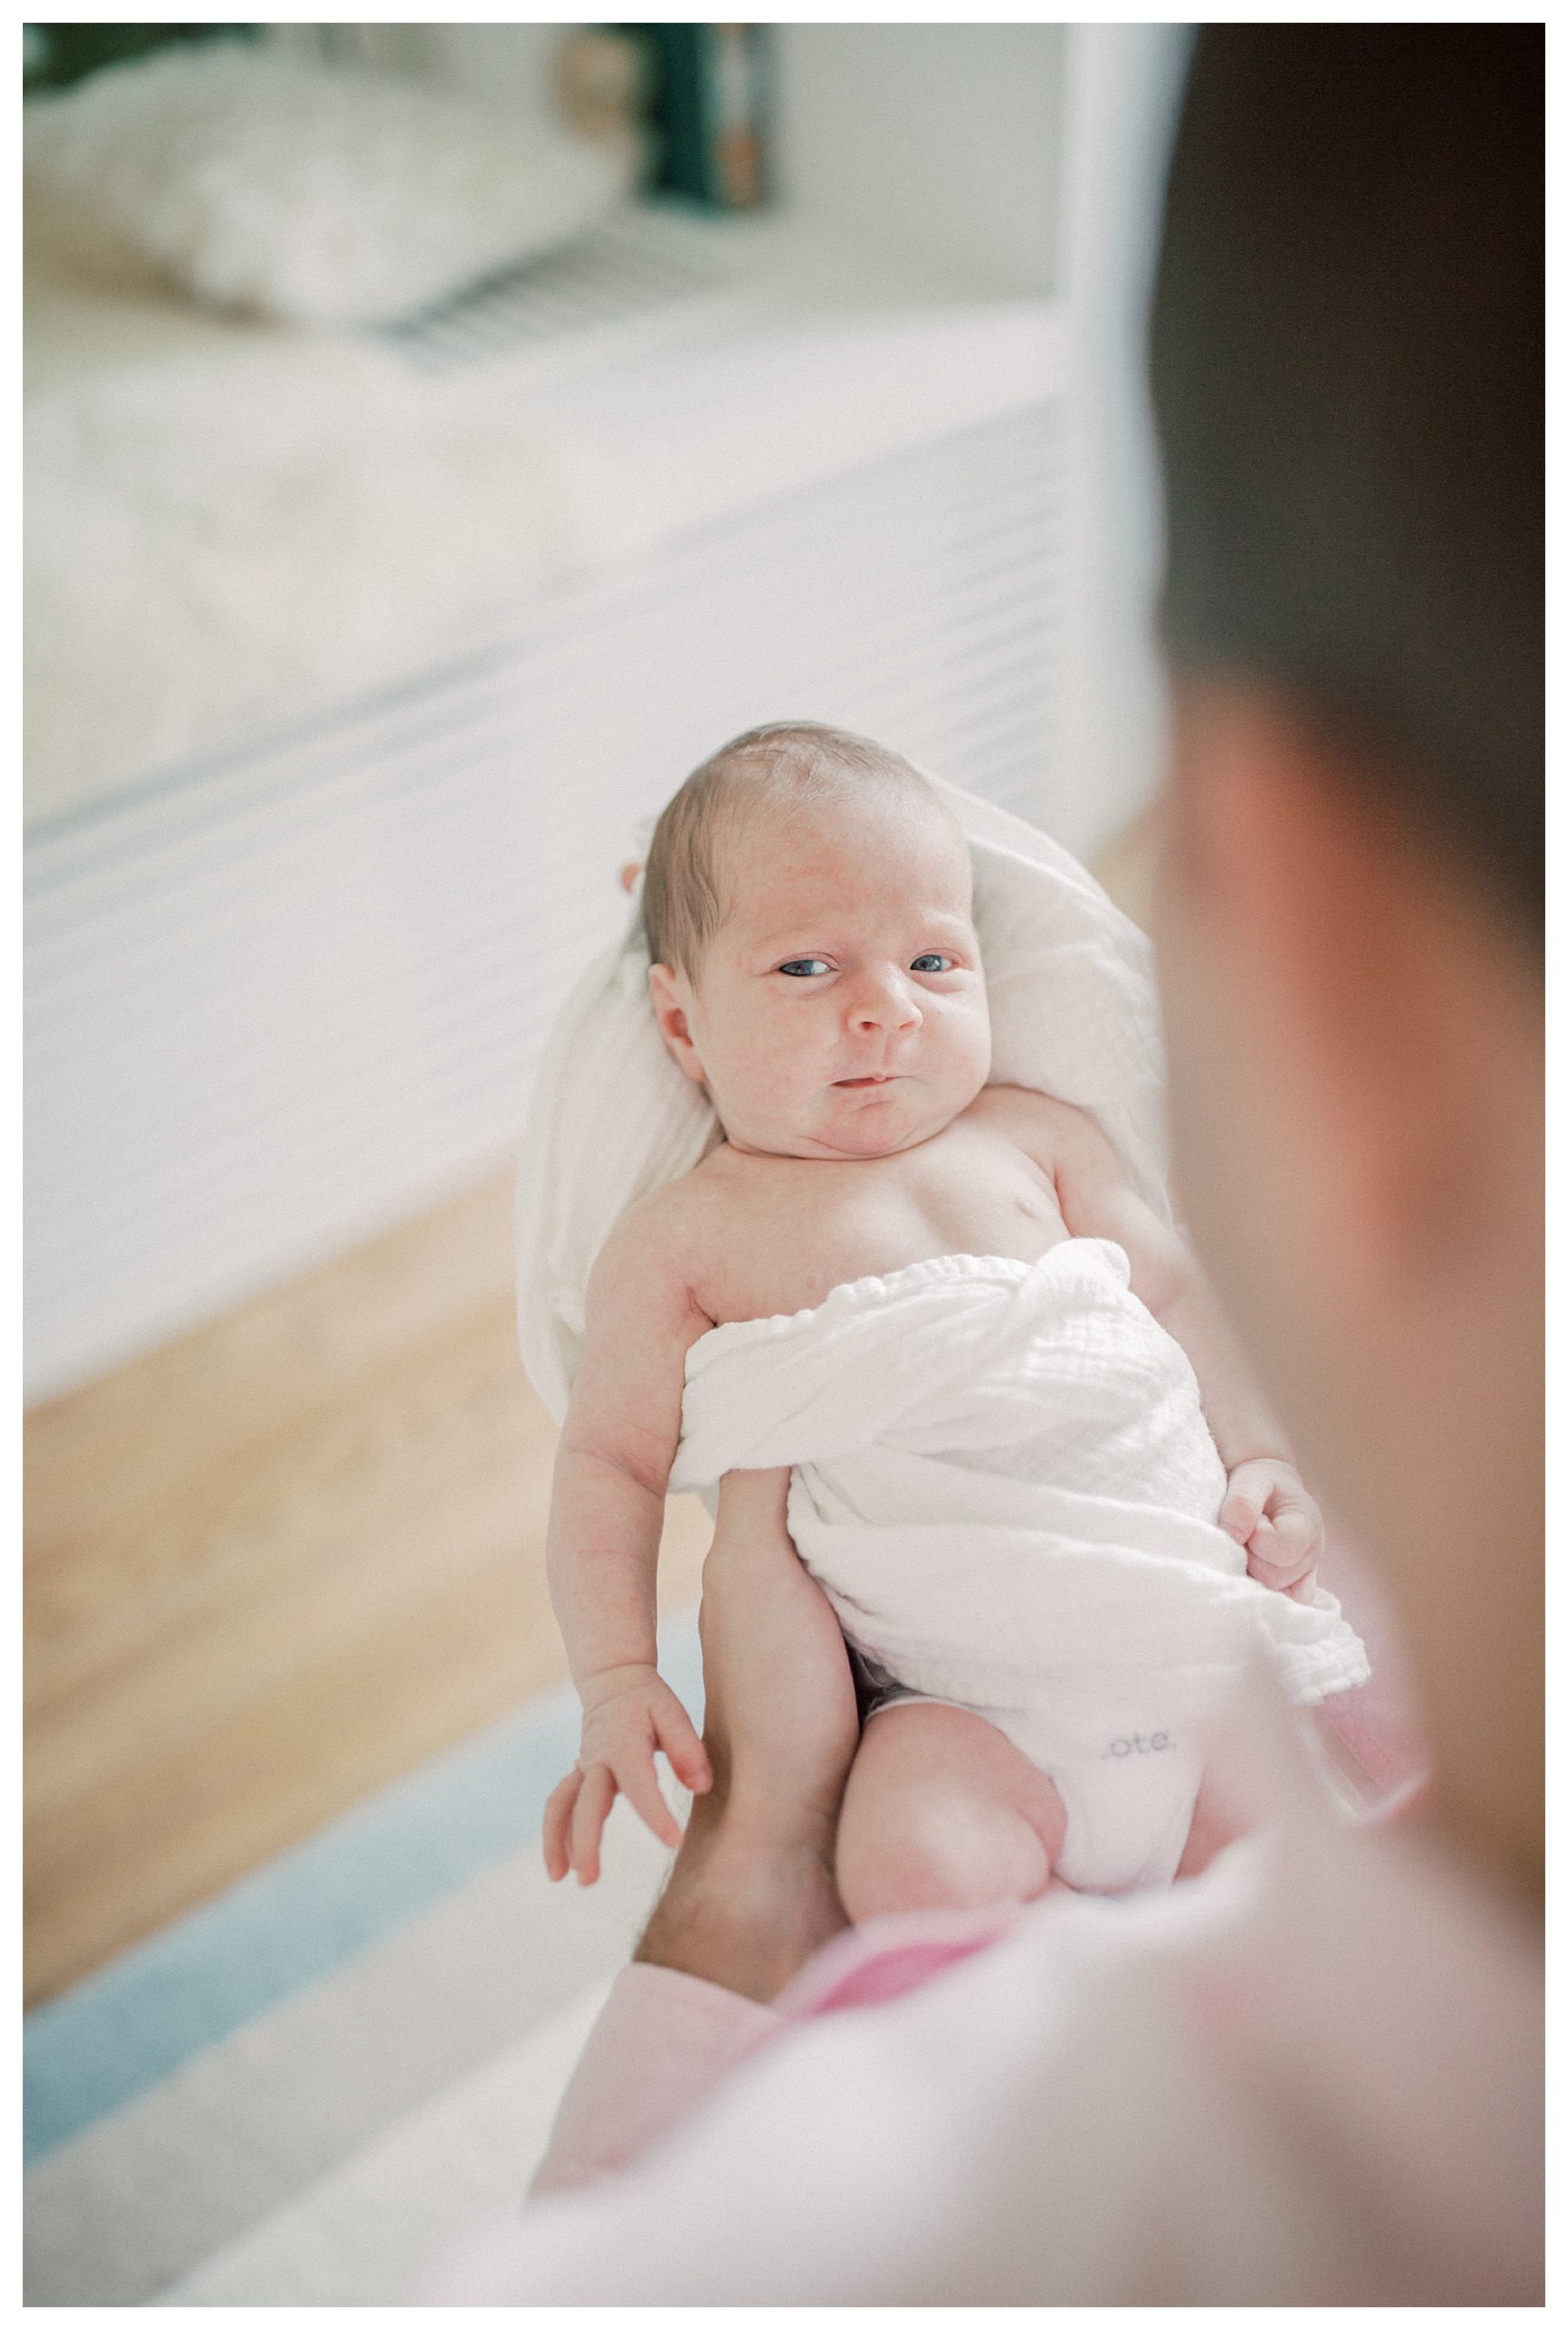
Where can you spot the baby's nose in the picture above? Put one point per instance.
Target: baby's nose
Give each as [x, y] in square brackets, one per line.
[890, 1005]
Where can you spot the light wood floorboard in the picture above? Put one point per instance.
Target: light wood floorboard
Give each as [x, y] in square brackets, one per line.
[273, 1566]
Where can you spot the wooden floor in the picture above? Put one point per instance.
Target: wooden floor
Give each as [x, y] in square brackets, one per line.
[274, 1564]
[280, 1562]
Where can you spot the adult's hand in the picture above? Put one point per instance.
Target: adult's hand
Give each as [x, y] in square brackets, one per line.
[751, 1894]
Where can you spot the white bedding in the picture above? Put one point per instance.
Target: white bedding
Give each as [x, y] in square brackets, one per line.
[220, 544]
[231, 527]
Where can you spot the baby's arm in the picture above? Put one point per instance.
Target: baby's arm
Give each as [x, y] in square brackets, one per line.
[1266, 1508]
[606, 1515]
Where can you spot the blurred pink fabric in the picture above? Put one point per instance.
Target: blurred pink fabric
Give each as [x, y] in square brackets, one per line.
[1310, 2076]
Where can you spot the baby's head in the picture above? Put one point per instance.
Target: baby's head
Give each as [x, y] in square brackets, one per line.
[807, 902]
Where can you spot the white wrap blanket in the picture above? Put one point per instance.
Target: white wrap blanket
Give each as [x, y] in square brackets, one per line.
[1005, 1483]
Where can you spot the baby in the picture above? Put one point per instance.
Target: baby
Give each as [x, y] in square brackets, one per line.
[816, 968]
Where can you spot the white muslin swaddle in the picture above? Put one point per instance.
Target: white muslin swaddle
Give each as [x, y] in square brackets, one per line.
[1004, 1484]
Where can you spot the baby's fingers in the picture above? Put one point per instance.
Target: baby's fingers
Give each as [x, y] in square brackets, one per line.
[594, 1800]
[1299, 1522]
[1240, 1516]
[678, 1738]
[1277, 1559]
[558, 1827]
[641, 1789]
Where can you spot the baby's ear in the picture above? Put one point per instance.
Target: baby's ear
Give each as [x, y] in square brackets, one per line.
[670, 996]
[629, 872]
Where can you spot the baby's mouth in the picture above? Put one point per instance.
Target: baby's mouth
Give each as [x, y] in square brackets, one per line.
[860, 1083]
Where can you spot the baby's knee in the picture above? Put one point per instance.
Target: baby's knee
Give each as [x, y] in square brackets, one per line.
[969, 1857]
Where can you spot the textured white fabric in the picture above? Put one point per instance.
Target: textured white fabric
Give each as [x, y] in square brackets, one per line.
[1073, 1013]
[314, 194]
[1004, 1484]
[219, 544]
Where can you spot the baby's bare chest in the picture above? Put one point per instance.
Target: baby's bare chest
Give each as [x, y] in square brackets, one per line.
[794, 1229]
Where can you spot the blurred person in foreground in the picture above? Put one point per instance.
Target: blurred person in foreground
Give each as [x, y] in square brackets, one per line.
[1311, 2074]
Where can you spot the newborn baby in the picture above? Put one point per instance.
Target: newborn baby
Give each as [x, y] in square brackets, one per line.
[814, 967]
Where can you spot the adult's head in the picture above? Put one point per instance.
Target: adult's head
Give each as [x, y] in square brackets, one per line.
[1347, 355]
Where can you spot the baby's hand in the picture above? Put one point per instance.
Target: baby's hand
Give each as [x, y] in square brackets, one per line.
[1267, 1510]
[628, 1712]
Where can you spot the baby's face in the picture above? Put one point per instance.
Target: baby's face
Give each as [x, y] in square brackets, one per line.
[840, 1010]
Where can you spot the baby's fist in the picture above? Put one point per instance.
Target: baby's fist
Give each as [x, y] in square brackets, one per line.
[1268, 1512]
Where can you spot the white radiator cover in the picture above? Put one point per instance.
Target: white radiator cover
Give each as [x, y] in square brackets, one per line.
[280, 1003]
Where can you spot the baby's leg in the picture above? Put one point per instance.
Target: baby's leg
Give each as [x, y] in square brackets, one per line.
[943, 1812]
[1214, 1826]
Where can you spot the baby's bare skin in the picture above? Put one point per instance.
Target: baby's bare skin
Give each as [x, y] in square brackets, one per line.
[840, 1025]
[757, 1236]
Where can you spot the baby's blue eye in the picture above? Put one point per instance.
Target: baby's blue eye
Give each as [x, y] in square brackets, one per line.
[932, 963]
[805, 966]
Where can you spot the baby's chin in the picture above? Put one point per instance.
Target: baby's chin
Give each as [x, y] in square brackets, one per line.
[864, 1127]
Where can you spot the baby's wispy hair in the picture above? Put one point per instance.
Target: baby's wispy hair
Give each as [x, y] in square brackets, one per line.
[783, 764]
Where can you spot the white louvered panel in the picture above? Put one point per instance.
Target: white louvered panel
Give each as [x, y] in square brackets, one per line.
[632, 266]
[973, 488]
[862, 544]
[277, 1003]
[929, 635]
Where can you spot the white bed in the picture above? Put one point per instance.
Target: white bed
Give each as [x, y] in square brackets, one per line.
[310, 864]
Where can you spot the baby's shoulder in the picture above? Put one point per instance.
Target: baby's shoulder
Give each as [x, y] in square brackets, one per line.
[1036, 1121]
[662, 1222]
[1063, 1139]
[653, 1242]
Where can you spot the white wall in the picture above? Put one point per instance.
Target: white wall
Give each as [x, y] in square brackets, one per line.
[513, 63]
[1123, 84]
[935, 143]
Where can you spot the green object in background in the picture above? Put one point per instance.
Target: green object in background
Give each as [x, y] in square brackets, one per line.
[54, 56]
[709, 100]
[680, 111]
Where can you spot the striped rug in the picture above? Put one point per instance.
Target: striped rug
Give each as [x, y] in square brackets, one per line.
[294, 2094]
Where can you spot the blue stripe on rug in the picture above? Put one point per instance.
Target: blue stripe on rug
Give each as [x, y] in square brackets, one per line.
[297, 1917]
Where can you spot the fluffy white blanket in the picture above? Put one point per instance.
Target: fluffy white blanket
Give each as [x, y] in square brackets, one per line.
[225, 536]
[1006, 1484]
